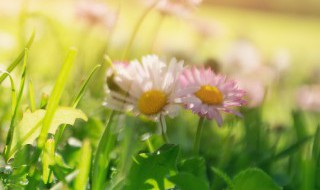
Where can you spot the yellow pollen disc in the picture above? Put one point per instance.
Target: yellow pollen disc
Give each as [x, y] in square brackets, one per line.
[210, 95]
[152, 102]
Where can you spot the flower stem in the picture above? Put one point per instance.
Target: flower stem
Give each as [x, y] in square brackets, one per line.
[163, 126]
[198, 136]
[149, 145]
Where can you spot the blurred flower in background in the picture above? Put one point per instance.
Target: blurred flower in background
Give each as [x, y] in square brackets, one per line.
[206, 29]
[96, 13]
[179, 8]
[255, 91]
[281, 60]
[7, 42]
[242, 57]
[307, 98]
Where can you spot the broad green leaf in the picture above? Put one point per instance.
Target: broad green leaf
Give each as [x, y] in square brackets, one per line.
[253, 179]
[192, 174]
[188, 181]
[30, 125]
[224, 176]
[195, 166]
[151, 170]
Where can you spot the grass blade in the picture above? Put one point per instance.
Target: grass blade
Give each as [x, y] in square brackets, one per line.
[31, 97]
[84, 167]
[17, 103]
[316, 145]
[47, 160]
[101, 160]
[19, 58]
[83, 88]
[286, 152]
[55, 97]
[13, 90]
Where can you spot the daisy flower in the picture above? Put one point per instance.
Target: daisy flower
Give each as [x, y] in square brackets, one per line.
[150, 88]
[206, 93]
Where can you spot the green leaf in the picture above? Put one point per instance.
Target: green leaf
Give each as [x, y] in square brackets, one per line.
[252, 179]
[188, 181]
[30, 125]
[192, 174]
[153, 168]
[195, 166]
[224, 176]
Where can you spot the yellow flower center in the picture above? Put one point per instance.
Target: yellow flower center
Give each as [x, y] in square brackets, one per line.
[210, 95]
[152, 102]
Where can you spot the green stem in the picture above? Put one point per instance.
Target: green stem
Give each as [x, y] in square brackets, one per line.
[149, 145]
[136, 29]
[163, 126]
[198, 136]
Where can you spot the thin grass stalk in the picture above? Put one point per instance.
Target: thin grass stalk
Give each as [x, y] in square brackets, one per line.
[137, 27]
[31, 96]
[19, 58]
[17, 104]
